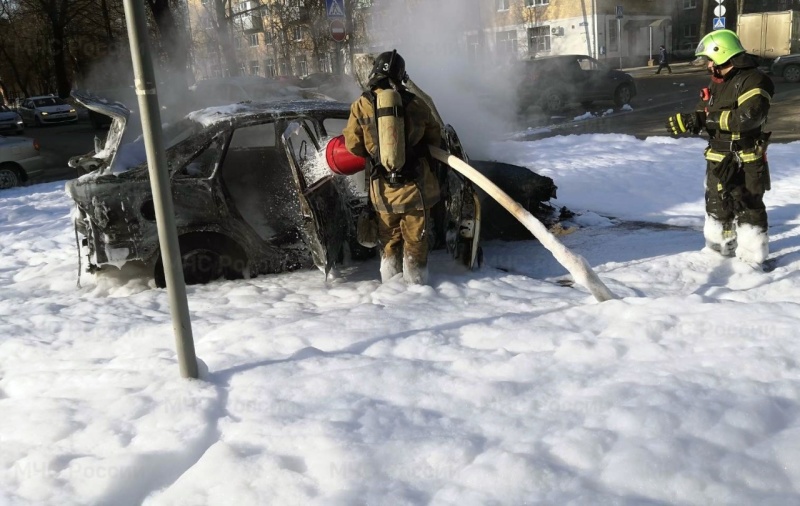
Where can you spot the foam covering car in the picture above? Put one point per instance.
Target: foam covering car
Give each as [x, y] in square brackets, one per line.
[251, 192]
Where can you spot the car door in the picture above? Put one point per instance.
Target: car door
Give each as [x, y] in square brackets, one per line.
[324, 214]
[25, 111]
[598, 86]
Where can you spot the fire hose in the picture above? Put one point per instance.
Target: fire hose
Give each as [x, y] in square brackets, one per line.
[576, 265]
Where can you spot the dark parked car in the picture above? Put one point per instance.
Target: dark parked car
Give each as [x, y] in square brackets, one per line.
[787, 67]
[250, 193]
[552, 82]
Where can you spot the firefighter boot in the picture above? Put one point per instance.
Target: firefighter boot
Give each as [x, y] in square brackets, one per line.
[720, 237]
[753, 245]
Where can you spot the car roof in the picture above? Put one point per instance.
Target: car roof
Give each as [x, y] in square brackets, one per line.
[247, 112]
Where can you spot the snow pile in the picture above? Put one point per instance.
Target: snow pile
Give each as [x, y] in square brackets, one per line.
[499, 386]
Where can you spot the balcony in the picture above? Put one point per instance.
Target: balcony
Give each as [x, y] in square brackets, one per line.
[247, 17]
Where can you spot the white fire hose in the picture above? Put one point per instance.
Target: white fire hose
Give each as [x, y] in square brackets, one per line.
[575, 264]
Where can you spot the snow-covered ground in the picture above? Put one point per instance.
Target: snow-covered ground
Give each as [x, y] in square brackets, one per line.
[498, 386]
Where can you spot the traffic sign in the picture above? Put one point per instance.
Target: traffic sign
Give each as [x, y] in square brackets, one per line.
[719, 23]
[334, 8]
[338, 30]
[719, 10]
[619, 12]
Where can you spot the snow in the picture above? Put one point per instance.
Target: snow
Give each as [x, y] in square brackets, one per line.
[499, 386]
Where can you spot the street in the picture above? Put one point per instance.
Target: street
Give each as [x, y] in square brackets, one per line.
[659, 96]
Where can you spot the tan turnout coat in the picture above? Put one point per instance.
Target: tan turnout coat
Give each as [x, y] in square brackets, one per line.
[361, 139]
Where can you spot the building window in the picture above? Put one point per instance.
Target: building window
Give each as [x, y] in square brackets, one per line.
[507, 44]
[324, 64]
[534, 3]
[689, 4]
[242, 69]
[253, 39]
[284, 68]
[269, 67]
[297, 33]
[538, 39]
[690, 31]
[268, 38]
[613, 36]
[502, 5]
[302, 66]
[254, 68]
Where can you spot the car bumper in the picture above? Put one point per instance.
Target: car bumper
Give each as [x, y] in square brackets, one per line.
[62, 119]
[11, 127]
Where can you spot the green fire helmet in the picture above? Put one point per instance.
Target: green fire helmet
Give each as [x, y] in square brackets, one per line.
[719, 46]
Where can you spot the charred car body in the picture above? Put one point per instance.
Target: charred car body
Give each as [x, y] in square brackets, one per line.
[250, 192]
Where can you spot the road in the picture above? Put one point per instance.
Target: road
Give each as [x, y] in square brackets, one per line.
[659, 96]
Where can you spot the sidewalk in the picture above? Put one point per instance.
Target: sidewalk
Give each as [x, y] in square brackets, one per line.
[677, 68]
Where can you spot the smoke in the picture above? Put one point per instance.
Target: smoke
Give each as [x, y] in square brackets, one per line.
[475, 95]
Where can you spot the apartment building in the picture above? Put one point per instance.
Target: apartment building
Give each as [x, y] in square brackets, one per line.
[268, 38]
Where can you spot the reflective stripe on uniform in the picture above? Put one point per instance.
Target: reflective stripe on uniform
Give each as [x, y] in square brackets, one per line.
[723, 120]
[716, 156]
[752, 93]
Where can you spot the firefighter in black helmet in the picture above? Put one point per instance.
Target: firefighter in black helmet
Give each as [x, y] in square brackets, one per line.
[392, 129]
[733, 110]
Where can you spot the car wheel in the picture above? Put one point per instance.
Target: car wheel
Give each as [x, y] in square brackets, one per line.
[623, 95]
[552, 101]
[9, 176]
[792, 73]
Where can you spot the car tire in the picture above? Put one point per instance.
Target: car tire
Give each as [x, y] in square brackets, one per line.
[623, 95]
[206, 257]
[792, 73]
[9, 176]
[552, 101]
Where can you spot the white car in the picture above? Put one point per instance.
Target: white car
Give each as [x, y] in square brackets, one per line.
[10, 121]
[20, 161]
[45, 110]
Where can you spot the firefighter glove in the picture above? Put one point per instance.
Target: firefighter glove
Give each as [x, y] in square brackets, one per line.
[685, 122]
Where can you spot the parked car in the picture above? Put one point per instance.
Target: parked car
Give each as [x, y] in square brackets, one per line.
[10, 121]
[552, 82]
[787, 66]
[19, 161]
[46, 110]
[249, 192]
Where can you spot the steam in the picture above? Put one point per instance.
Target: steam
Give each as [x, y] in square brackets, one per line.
[476, 97]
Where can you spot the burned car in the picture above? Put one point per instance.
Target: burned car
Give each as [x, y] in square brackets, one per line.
[250, 191]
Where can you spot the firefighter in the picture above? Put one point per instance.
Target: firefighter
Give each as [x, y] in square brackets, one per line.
[733, 110]
[402, 184]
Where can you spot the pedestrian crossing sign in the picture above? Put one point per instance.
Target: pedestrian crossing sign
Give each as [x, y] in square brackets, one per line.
[719, 23]
[335, 9]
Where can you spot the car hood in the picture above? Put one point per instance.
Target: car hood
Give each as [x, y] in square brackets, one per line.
[5, 116]
[52, 109]
[119, 119]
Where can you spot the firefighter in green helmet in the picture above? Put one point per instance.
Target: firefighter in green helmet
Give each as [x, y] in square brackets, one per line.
[733, 111]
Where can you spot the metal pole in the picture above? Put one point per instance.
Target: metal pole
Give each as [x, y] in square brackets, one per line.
[595, 50]
[650, 29]
[145, 84]
[619, 41]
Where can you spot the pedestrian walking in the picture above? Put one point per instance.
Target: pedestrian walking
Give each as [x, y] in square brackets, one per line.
[663, 59]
